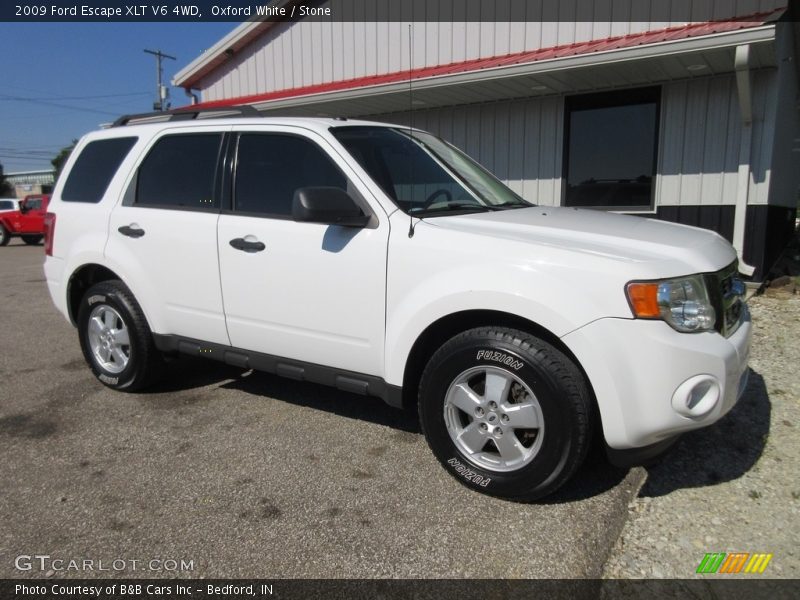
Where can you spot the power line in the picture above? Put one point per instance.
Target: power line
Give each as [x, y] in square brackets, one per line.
[17, 153]
[47, 155]
[39, 116]
[57, 105]
[92, 97]
[24, 158]
[27, 146]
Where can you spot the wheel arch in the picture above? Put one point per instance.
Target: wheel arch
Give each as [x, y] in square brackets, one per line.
[446, 327]
[80, 281]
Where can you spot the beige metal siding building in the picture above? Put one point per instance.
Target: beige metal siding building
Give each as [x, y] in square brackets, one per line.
[685, 110]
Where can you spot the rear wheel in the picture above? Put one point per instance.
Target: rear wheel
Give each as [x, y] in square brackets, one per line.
[115, 338]
[32, 240]
[505, 413]
[4, 235]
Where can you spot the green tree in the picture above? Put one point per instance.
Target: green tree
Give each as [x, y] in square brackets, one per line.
[61, 158]
[5, 187]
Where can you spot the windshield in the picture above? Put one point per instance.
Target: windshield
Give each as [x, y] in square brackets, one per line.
[423, 174]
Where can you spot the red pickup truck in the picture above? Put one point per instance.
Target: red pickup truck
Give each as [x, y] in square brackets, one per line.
[27, 222]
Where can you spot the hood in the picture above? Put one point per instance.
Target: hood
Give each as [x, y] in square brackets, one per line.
[617, 237]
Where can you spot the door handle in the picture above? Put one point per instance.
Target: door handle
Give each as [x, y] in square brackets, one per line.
[247, 246]
[132, 230]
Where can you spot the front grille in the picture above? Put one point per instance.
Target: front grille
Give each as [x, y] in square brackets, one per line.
[727, 292]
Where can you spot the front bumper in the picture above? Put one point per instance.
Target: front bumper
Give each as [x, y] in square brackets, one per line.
[652, 382]
[638, 457]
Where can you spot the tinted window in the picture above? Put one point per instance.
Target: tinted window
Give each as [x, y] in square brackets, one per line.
[270, 167]
[94, 168]
[180, 171]
[423, 174]
[402, 167]
[33, 204]
[6, 205]
[610, 149]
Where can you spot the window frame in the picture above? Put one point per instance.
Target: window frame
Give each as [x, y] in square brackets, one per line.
[229, 194]
[217, 197]
[609, 99]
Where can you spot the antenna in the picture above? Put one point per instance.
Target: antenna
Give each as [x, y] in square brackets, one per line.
[162, 92]
[410, 83]
[411, 121]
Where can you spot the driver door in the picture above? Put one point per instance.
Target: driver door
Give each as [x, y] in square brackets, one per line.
[31, 219]
[314, 292]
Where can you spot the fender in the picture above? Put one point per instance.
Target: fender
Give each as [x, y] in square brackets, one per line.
[543, 284]
[405, 326]
[7, 220]
[139, 284]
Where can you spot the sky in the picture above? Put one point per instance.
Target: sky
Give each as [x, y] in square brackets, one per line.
[61, 80]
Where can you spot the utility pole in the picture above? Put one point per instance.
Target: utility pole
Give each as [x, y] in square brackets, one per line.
[162, 91]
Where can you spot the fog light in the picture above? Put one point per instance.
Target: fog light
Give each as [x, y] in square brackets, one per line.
[697, 396]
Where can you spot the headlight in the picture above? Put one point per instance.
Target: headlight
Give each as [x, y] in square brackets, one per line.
[683, 302]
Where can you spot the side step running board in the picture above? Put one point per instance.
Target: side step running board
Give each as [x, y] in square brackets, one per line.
[347, 381]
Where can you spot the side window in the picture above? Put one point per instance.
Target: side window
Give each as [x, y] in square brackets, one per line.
[94, 168]
[34, 204]
[270, 167]
[179, 171]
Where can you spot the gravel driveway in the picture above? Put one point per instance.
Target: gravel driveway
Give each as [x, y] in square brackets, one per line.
[734, 487]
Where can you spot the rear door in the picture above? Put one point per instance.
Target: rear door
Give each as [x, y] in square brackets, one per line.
[164, 233]
[314, 292]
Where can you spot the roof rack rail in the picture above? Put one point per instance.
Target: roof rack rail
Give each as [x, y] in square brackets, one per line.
[187, 114]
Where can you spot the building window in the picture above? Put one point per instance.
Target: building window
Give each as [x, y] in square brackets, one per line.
[610, 146]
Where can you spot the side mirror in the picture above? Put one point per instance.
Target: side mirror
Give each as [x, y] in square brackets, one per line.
[23, 208]
[329, 205]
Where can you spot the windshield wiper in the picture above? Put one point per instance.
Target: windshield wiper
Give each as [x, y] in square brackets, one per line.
[453, 206]
[512, 204]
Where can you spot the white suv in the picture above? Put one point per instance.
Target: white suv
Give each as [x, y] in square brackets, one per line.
[385, 262]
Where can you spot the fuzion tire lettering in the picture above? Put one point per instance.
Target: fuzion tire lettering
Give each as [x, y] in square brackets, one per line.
[468, 473]
[500, 357]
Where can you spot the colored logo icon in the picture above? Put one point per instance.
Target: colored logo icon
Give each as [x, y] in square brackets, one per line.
[734, 562]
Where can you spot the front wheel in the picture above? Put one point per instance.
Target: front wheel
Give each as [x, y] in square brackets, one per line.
[4, 235]
[505, 413]
[32, 240]
[115, 338]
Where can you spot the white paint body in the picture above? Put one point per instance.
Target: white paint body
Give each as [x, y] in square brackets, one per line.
[358, 299]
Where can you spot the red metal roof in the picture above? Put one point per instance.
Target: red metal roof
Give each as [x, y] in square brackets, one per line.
[612, 43]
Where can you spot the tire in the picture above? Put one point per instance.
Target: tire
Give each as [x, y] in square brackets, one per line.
[538, 410]
[108, 311]
[32, 240]
[4, 235]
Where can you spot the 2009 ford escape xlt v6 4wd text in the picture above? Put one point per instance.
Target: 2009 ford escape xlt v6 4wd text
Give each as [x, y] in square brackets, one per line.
[385, 262]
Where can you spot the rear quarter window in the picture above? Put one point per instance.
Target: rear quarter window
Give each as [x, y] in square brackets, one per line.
[94, 169]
